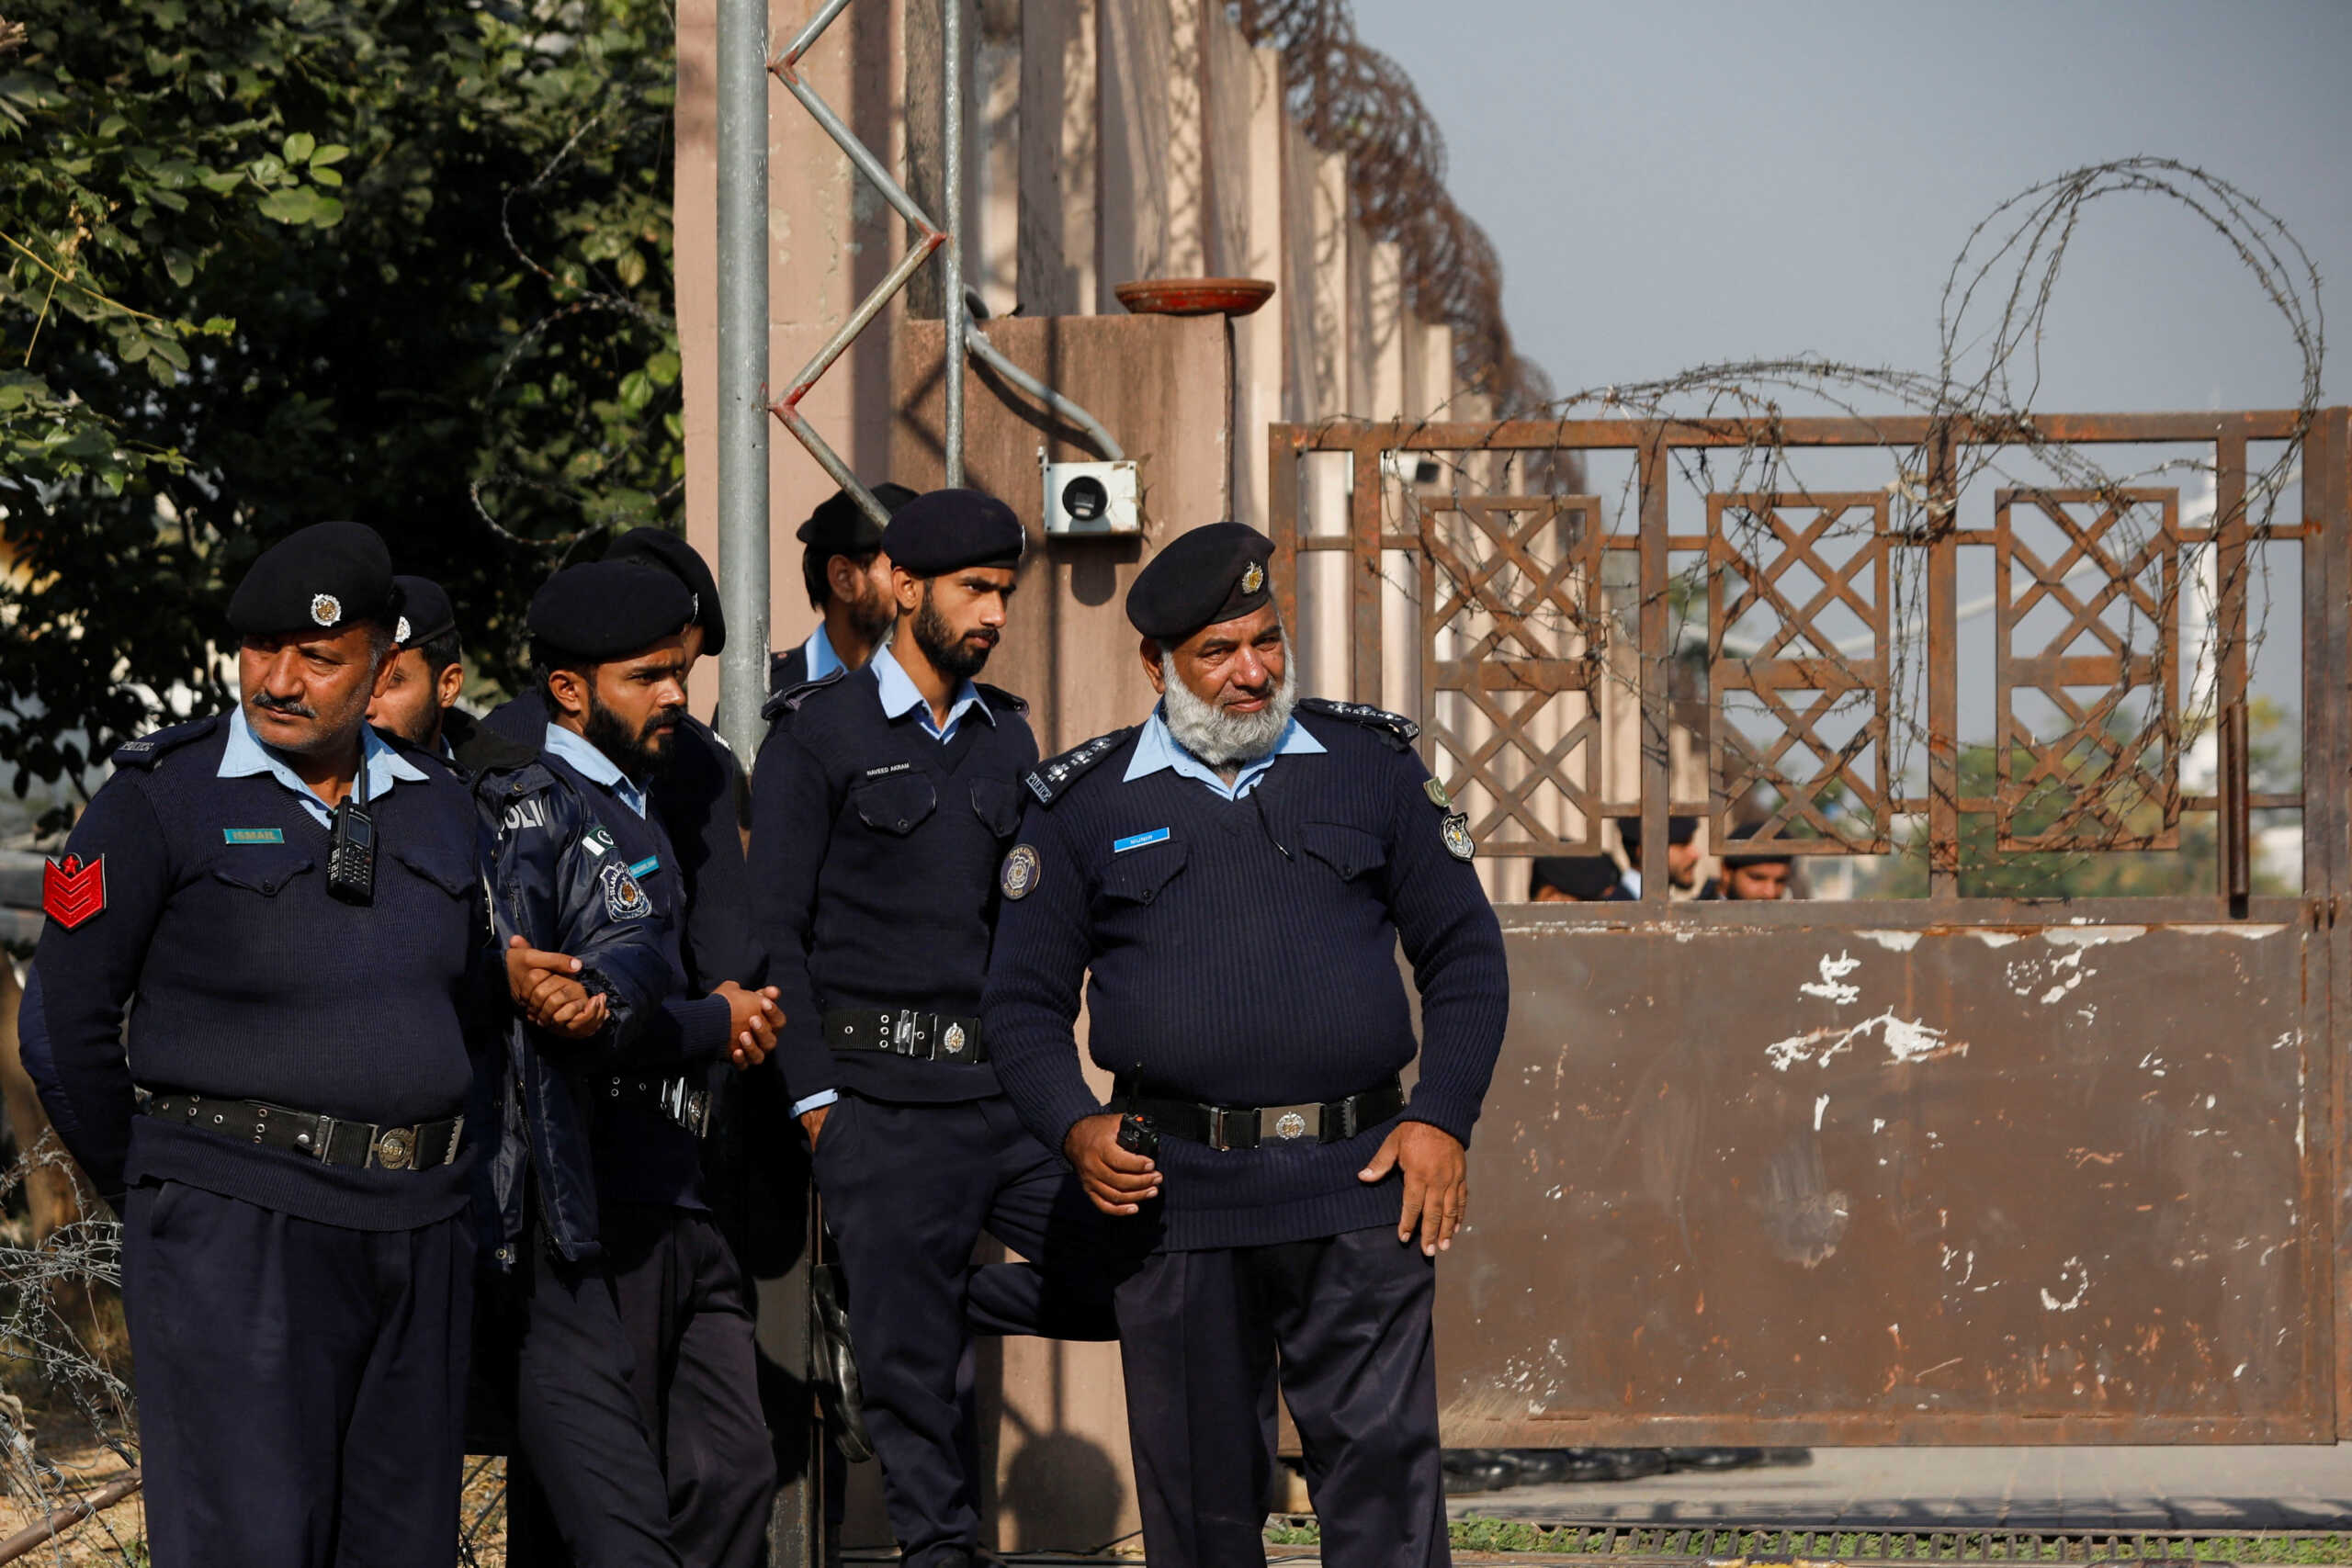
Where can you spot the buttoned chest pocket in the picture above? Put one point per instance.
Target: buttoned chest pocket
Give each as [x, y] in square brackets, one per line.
[896, 804]
[442, 868]
[1350, 853]
[997, 803]
[1141, 876]
[266, 871]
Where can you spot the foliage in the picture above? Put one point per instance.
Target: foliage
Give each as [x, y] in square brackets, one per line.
[267, 261]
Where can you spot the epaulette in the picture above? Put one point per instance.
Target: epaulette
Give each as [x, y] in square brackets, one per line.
[790, 701]
[1395, 729]
[150, 749]
[1051, 779]
[997, 697]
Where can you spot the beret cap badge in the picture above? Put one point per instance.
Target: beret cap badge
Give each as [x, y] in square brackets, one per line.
[326, 609]
[1254, 578]
[400, 633]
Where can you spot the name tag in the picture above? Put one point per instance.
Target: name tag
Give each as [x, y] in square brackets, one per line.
[886, 770]
[647, 866]
[253, 835]
[1138, 841]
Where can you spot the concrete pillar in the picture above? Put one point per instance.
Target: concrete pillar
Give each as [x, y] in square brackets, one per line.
[993, 268]
[1153, 179]
[1326, 374]
[1060, 147]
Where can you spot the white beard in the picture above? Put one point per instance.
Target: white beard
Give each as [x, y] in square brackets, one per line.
[1221, 738]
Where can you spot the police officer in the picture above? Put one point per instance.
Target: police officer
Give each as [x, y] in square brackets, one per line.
[293, 901]
[418, 703]
[1758, 876]
[637, 1408]
[883, 800]
[848, 579]
[1236, 872]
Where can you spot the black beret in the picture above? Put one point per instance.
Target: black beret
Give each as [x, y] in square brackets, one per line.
[1589, 878]
[840, 526]
[948, 530]
[425, 612]
[1679, 830]
[659, 546]
[327, 577]
[1214, 573]
[608, 609]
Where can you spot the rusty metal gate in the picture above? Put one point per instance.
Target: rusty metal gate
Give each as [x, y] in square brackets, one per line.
[1965, 1166]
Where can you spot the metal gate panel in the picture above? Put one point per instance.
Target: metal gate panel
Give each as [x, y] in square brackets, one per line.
[1944, 1168]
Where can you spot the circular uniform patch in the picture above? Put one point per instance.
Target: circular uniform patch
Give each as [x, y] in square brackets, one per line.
[1019, 877]
[624, 900]
[1436, 792]
[1456, 833]
[326, 609]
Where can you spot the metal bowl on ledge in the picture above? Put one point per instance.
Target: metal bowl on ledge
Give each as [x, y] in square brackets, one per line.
[1194, 295]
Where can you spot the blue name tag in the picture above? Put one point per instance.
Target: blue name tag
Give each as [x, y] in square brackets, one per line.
[1138, 841]
[253, 835]
[649, 864]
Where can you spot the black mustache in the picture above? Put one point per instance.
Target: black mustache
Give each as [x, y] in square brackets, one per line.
[288, 706]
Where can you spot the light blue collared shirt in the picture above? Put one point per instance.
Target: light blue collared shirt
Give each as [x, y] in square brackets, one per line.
[380, 766]
[819, 652]
[574, 748]
[1157, 748]
[899, 694]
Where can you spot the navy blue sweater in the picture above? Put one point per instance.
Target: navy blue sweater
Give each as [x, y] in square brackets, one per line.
[874, 855]
[244, 980]
[1248, 958]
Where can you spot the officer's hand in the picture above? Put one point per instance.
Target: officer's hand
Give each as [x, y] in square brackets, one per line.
[752, 1019]
[545, 992]
[576, 1012]
[1437, 1182]
[813, 1122]
[1116, 1178]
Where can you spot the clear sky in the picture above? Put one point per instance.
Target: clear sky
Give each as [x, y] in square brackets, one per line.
[1674, 181]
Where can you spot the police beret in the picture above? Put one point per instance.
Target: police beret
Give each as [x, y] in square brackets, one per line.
[1679, 830]
[948, 530]
[1590, 879]
[425, 612]
[840, 526]
[659, 546]
[1213, 573]
[327, 577]
[608, 609]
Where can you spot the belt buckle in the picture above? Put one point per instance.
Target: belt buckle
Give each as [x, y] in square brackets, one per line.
[1225, 1123]
[318, 1138]
[1291, 1124]
[393, 1148]
[902, 1032]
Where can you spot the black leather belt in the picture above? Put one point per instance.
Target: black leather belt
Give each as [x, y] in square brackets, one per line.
[330, 1139]
[903, 1031]
[1228, 1127]
[681, 1099]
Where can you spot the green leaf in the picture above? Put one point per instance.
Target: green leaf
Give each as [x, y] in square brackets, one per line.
[662, 367]
[330, 153]
[326, 212]
[630, 267]
[324, 177]
[299, 147]
[297, 205]
[181, 269]
[636, 390]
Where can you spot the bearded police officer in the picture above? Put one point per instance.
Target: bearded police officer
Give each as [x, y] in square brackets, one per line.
[418, 702]
[848, 579]
[883, 801]
[1237, 873]
[293, 901]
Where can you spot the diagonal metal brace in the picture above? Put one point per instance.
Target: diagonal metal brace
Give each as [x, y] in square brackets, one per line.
[926, 240]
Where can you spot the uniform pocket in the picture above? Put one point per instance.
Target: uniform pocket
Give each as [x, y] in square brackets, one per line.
[1350, 852]
[997, 803]
[454, 874]
[896, 804]
[265, 872]
[1138, 876]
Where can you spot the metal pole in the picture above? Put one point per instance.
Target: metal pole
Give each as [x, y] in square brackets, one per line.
[743, 367]
[951, 143]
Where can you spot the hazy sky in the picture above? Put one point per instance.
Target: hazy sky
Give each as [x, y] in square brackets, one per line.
[1680, 181]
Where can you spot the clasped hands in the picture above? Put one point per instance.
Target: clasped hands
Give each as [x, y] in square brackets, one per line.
[547, 993]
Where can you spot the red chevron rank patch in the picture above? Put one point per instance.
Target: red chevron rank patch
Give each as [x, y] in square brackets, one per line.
[71, 892]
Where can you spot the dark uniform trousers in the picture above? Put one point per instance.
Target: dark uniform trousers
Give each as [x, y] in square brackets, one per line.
[1342, 1323]
[304, 1383]
[646, 1351]
[908, 1191]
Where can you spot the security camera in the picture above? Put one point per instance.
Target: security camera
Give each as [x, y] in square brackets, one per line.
[1090, 498]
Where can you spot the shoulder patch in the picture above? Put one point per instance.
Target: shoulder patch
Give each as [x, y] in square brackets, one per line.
[789, 700]
[1051, 779]
[150, 749]
[1395, 729]
[998, 698]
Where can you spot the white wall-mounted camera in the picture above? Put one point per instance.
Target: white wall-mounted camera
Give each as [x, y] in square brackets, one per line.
[1090, 498]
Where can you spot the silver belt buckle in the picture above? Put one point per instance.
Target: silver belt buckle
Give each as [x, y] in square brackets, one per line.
[1289, 1124]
